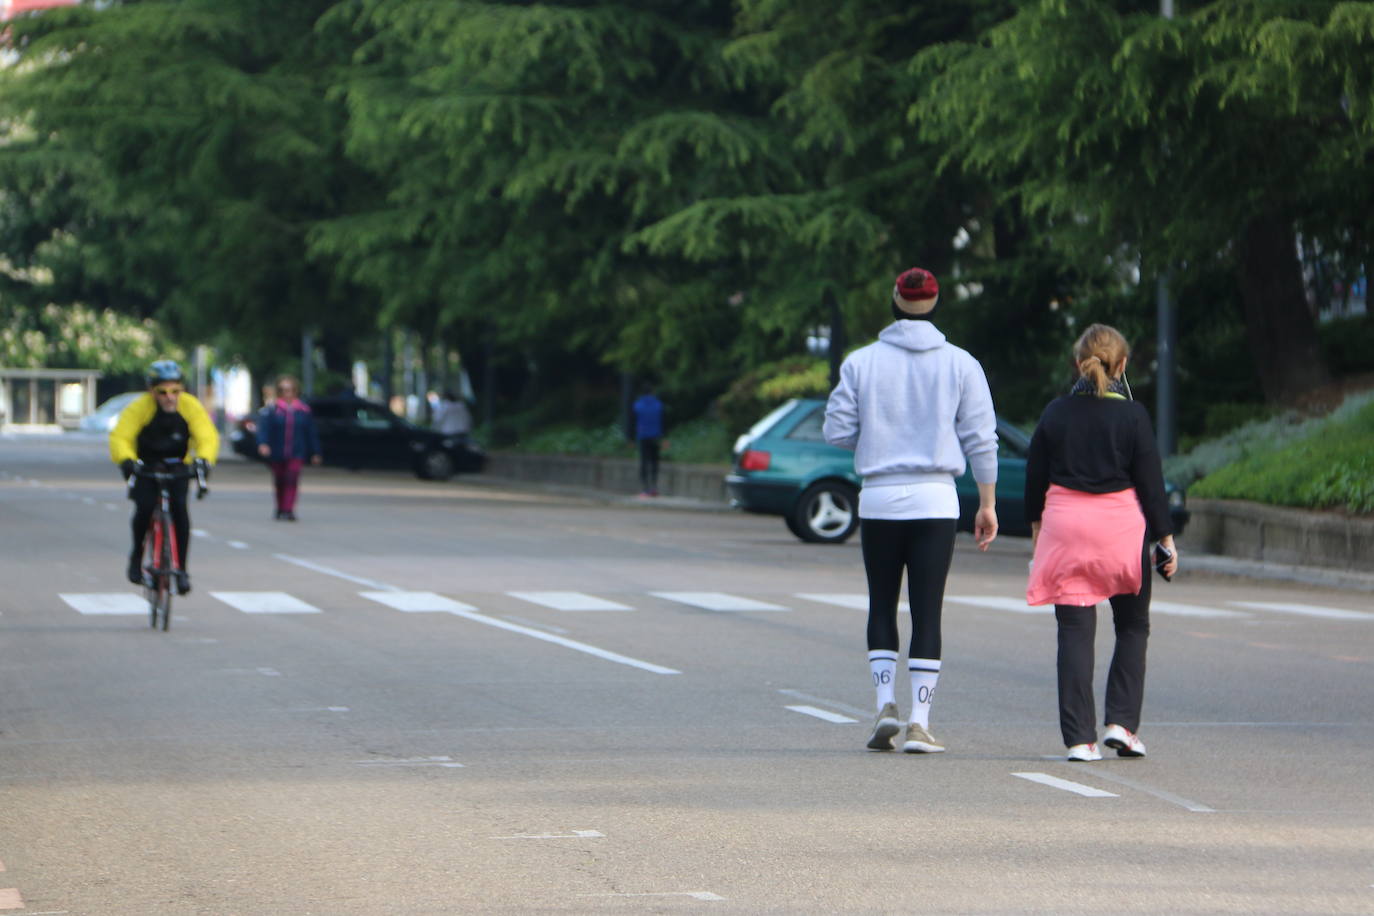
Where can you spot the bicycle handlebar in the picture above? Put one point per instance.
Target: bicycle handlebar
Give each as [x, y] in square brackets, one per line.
[179, 471]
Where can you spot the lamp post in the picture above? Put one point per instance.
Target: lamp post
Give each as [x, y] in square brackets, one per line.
[1166, 330]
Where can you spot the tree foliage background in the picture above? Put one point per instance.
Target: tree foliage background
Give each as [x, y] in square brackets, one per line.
[572, 193]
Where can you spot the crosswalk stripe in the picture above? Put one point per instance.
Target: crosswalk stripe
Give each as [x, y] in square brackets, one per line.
[1000, 603]
[570, 601]
[265, 603]
[718, 601]
[1191, 610]
[825, 714]
[416, 602]
[1305, 610]
[108, 603]
[855, 601]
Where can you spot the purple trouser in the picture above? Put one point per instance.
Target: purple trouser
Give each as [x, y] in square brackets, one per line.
[286, 478]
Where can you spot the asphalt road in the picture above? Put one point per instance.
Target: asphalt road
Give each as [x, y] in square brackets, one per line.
[462, 698]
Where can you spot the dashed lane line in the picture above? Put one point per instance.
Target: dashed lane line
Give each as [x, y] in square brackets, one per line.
[825, 714]
[1055, 782]
[718, 601]
[570, 601]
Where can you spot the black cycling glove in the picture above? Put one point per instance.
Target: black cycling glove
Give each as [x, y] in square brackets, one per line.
[127, 466]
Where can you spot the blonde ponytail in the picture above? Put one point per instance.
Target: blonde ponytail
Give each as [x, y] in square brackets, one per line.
[1100, 348]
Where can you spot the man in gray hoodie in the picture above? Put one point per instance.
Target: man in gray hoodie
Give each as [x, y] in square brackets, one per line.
[915, 409]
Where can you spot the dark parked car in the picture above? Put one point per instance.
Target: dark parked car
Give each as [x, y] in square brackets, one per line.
[355, 433]
[783, 466]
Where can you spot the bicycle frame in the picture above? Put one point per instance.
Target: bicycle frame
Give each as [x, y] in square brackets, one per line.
[161, 552]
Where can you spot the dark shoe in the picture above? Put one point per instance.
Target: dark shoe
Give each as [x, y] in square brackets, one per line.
[279, 515]
[183, 583]
[135, 572]
[289, 516]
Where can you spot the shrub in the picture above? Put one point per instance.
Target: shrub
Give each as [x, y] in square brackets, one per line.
[760, 390]
[1332, 467]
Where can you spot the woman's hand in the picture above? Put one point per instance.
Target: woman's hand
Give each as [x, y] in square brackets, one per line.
[1172, 566]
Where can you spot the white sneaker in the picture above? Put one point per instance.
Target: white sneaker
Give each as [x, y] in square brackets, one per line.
[885, 728]
[919, 740]
[1084, 752]
[1124, 741]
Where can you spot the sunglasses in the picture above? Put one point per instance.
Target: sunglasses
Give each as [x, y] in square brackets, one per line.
[166, 391]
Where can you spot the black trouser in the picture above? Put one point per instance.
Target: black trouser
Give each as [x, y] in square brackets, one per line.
[1125, 678]
[145, 497]
[923, 547]
[648, 464]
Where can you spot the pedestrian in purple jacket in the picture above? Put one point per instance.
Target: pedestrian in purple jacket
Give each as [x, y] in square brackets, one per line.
[287, 438]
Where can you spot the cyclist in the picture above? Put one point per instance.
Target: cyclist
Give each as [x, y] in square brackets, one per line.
[165, 425]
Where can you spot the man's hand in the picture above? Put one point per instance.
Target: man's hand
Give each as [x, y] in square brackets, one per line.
[985, 527]
[127, 467]
[317, 460]
[265, 450]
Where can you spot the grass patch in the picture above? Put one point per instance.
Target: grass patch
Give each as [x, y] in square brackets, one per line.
[1332, 467]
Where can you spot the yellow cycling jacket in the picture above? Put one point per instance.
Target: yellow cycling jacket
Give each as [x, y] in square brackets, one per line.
[204, 436]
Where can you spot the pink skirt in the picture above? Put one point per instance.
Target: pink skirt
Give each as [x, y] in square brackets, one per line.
[1089, 548]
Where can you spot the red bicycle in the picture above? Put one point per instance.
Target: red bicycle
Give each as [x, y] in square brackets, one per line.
[161, 553]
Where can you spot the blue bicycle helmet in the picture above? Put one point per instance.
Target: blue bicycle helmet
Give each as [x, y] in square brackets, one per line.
[164, 370]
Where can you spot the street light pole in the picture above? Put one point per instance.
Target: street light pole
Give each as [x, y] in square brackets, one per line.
[1166, 372]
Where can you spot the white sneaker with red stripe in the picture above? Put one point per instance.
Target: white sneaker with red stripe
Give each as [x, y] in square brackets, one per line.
[1124, 741]
[1081, 753]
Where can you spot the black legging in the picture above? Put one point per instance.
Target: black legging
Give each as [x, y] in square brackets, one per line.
[923, 547]
[1125, 677]
[648, 464]
[145, 501]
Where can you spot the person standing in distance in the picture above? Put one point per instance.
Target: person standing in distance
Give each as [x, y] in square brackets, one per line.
[648, 416]
[1095, 500]
[916, 410]
[167, 424]
[287, 438]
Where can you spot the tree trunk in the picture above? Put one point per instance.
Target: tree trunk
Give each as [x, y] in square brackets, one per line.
[1281, 328]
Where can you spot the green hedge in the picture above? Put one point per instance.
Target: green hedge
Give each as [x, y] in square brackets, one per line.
[1332, 468]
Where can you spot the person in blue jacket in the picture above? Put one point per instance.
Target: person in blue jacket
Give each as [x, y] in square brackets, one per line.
[287, 438]
[648, 417]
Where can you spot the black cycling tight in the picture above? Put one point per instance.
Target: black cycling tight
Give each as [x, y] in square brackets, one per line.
[924, 548]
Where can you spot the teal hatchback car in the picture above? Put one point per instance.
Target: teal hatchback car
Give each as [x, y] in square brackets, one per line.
[783, 466]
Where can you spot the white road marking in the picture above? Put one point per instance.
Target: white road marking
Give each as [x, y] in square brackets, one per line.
[111, 506]
[370, 583]
[199, 533]
[1305, 610]
[417, 602]
[1191, 610]
[1104, 773]
[833, 704]
[1000, 603]
[89, 500]
[823, 714]
[718, 601]
[566, 643]
[575, 835]
[1057, 783]
[854, 601]
[237, 545]
[10, 899]
[442, 761]
[111, 603]
[570, 601]
[265, 603]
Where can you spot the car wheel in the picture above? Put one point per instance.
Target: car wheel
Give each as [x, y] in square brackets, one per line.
[435, 465]
[826, 513]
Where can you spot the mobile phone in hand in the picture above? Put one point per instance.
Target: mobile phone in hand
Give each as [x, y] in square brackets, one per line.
[1162, 556]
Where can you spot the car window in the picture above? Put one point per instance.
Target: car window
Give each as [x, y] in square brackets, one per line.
[370, 417]
[324, 410]
[1012, 442]
[809, 429]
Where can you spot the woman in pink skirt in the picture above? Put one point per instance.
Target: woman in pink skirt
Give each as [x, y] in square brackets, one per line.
[1095, 500]
[287, 438]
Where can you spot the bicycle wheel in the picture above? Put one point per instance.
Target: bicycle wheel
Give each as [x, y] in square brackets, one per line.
[150, 552]
[164, 577]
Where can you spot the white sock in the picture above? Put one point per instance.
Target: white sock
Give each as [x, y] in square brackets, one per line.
[883, 664]
[924, 673]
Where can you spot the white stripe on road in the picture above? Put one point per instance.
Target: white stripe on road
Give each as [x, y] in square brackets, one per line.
[567, 643]
[112, 603]
[1305, 610]
[328, 571]
[199, 533]
[1055, 782]
[1157, 793]
[237, 545]
[570, 601]
[417, 602]
[823, 714]
[718, 601]
[265, 603]
[1000, 603]
[856, 602]
[442, 761]
[1191, 610]
[575, 835]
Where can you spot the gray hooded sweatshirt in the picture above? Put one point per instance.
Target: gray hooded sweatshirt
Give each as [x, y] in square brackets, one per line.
[913, 406]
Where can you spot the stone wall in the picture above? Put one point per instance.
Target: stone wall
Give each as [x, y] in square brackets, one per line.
[1272, 534]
